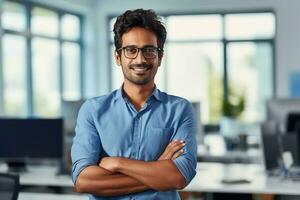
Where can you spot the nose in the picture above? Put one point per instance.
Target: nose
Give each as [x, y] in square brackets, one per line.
[140, 57]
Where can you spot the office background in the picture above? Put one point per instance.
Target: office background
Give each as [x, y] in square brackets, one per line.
[270, 50]
[242, 51]
[95, 72]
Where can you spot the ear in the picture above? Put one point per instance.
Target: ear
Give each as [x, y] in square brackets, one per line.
[117, 58]
[160, 57]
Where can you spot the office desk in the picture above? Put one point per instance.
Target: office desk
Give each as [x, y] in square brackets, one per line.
[43, 196]
[42, 176]
[208, 179]
[209, 176]
[214, 150]
[45, 179]
[236, 156]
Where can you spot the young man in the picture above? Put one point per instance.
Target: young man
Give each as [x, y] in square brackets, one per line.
[136, 142]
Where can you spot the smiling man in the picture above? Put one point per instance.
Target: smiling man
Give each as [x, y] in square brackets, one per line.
[136, 142]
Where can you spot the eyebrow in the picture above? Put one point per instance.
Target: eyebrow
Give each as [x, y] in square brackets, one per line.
[148, 45]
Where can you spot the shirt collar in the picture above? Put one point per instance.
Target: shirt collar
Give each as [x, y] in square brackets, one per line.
[156, 94]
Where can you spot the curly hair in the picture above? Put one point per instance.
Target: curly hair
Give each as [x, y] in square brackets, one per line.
[147, 19]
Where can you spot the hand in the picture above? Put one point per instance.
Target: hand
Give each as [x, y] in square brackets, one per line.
[109, 163]
[173, 150]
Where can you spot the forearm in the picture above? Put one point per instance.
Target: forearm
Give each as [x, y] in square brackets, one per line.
[159, 175]
[99, 181]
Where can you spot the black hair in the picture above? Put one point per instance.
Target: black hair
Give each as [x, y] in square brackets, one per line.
[147, 19]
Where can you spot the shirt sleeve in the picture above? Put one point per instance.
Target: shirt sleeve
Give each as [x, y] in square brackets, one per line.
[187, 162]
[86, 147]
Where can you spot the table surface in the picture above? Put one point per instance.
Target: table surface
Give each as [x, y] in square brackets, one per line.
[210, 175]
[208, 179]
[44, 196]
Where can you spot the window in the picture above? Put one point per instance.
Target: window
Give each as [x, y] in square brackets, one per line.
[196, 52]
[42, 59]
[213, 57]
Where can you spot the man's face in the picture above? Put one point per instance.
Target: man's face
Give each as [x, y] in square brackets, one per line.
[139, 70]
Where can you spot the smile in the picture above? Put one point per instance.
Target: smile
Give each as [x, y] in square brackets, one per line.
[140, 69]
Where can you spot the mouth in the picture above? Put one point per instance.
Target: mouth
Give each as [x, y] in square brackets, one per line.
[140, 68]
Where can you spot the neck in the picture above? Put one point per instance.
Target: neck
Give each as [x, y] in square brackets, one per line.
[138, 94]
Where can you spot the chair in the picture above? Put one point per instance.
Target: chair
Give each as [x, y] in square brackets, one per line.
[9, 186]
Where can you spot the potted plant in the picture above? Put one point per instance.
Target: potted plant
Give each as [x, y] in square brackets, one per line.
[232, 108]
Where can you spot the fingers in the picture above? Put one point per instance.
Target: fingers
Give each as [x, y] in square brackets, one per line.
[171, 149]
[176, 146]
[177, 154]
[173, 146]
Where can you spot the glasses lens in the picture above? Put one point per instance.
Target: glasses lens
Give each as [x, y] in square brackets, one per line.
[130, 52]
[149, 52]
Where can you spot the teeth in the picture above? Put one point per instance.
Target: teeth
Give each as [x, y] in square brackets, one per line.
[140, 69]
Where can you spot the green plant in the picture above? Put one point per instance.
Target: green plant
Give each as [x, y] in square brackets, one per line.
[234, 105]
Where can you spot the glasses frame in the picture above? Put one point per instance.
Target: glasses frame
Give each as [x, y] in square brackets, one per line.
[138, 51]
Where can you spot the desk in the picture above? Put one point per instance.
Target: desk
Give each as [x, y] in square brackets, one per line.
[43, 196]
[42, 176]
[207, 179]
[236, 156]
[214, 150]
[209, 176]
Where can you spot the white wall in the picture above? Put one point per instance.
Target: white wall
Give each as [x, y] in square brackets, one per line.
[287, 36]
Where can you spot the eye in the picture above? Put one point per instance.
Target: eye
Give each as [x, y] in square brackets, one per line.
[131, 50]
[149, 50]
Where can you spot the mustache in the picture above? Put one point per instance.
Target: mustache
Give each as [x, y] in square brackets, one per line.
[143, 65]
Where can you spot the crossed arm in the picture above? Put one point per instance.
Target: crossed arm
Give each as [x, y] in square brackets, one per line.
[120, 176]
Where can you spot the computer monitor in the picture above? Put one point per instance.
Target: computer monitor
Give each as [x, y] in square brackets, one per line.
[69, 112]
[199, 126]
[271, 151]
[290, 143]
[30, 139]
[278, 110]
[293, 122]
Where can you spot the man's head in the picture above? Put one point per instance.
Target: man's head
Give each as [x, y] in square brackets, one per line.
[139, 41]
[139, 18]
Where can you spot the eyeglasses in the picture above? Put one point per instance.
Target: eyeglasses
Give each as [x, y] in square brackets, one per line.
[131, 52]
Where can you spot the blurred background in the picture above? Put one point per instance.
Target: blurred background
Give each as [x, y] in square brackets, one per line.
[237, 61]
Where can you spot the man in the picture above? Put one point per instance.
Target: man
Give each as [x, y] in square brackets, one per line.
[136, 142]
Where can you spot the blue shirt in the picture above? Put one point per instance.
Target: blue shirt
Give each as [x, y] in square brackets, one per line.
[110, 126]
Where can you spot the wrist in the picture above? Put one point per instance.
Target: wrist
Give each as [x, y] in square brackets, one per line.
[118, 164]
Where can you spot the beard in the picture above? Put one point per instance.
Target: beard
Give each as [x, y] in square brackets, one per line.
[146, 76]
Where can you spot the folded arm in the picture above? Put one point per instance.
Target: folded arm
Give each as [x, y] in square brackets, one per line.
[159, 175]
[100, 181]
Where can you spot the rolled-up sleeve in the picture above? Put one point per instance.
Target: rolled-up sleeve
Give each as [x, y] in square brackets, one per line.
[187, 162]
[86, 147]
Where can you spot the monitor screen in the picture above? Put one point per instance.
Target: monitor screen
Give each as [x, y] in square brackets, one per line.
[31, 138]
[69, 111]
[293, 122]
[271, 151]
[278, 110]
[199, 128]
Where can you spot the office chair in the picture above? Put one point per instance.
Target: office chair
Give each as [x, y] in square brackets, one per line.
[9, 186]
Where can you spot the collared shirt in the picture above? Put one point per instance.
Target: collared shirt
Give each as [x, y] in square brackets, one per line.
[110, 126]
